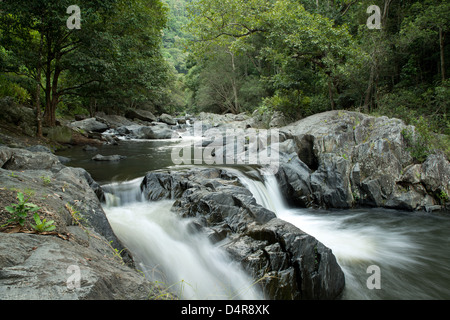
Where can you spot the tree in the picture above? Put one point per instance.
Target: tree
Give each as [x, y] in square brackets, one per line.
[291, 35]
[116, 50]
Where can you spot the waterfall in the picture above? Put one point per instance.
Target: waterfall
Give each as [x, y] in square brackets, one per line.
[166, 250]
[356, 238]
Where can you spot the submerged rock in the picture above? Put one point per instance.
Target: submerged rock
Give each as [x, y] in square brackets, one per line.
[114, 157]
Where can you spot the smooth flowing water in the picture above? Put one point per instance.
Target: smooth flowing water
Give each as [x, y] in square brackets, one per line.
[168, 250]
[409, 249]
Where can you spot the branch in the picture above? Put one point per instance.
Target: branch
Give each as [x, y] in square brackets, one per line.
[233, 35]
[65, 90]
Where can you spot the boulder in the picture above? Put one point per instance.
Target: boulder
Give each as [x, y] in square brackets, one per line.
[90, 148]
[158, 131]
[89, 125]
[20, 159]
[357, 159]
[23, 118]
[166, 118]
[294, 179]
[39, 148]
[140, 114]
[36, 267]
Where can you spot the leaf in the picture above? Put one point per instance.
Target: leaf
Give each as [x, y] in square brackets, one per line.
[37, 219]
[20, 196]
[10, 209]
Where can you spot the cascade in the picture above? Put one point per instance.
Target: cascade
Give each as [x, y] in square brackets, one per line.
[166, 250]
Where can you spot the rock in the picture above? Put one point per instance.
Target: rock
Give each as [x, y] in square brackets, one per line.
[158, 186]
[114, 157]
[166, 118]
[114, 121]
[39, 148]
[158, 131]
[140, 114]
[435, 174]
[301, 267]
[357, 159]
[286, 262]
[330, 183]
[278, 120]
[20, 159]
[23, 118]
[89, 125]
[63, 159]
[90, 148]
[35, 266]
[294, 178]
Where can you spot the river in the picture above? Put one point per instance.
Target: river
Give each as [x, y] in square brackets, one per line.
[385, 254]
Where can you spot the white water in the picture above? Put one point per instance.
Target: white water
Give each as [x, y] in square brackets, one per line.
[414, 264]
[166, 251]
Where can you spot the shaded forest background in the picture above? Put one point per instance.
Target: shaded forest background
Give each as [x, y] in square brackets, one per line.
[298, 57]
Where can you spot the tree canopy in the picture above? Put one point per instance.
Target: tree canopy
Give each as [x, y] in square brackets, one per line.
[298, 57]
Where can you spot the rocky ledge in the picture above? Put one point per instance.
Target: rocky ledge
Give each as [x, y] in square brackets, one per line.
[286, 262]
[340, 159]
[46, 265]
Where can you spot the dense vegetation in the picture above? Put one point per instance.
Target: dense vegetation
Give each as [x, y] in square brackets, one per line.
[299, 57]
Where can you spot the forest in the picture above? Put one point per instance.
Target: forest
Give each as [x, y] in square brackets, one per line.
[297, 57]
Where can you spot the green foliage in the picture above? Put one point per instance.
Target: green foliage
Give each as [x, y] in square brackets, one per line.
[443, 197]
[46, 180]
[9, 88]
[114, 60]
[422, 141]
[21, 209]
[44, 225]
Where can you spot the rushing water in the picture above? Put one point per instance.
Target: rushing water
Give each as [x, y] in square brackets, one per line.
[166, 249]
[410, 249]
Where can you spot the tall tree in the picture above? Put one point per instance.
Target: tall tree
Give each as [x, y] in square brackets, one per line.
[117, 47]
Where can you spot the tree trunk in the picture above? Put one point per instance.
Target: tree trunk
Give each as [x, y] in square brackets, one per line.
[331, 95]
[234, 85]
[38, 89]
[369, 90]
[441, 46]
[48, 83]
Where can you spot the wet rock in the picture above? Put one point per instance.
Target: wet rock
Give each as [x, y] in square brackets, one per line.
[114, 157]
[294, 178]
[89, 148]
[288, 263]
